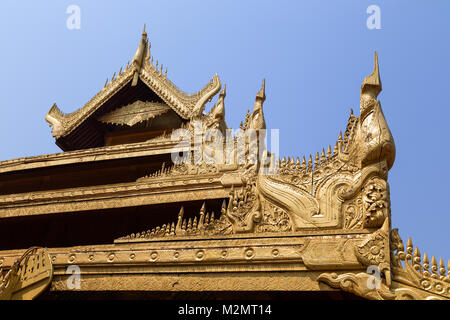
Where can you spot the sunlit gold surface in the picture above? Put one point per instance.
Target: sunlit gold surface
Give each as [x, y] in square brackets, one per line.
[308, 225]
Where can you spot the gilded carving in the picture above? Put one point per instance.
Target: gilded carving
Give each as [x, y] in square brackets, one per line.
[376, 202]
[362, 284]
[353, 215]
[134, 113]
[204, 224]
[28, 276]
[185, 105]
[244, 209]
[309, 215]
[412, 269]
[375, 250]
[274, 219]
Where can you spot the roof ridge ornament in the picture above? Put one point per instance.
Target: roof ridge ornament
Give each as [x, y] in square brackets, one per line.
[257, 118]
[372, 83]
[142, 52]
[262, 93]
[370, 89]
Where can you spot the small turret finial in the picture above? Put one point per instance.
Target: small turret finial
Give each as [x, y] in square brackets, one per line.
[139, 56]
[372, 83]
[257, 121]
[262, 93]
[223, 93]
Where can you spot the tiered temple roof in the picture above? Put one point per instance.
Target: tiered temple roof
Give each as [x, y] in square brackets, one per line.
[116, 206]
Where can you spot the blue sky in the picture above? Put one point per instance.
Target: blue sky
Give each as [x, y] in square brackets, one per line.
[313, 55]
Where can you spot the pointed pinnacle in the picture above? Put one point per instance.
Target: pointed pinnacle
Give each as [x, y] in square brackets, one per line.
[441, 267]
[433, 262]
[310, 162]
[417, 254]
[316, 160]
[292, 164]
[409, 244]
[425, 260]
[262, 92]
[194, 224]
[372, 82]
[223, 93]
[181, 213]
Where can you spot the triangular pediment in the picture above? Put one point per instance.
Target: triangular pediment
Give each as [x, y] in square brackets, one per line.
[142, 80]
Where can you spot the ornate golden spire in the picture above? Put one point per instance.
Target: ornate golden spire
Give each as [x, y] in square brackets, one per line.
[257, 119]
[139, 56]
[372, 83]
[219, 112]
[262, 93]
[223, 93]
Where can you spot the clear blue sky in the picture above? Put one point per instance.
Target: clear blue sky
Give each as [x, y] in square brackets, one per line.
[313, 54]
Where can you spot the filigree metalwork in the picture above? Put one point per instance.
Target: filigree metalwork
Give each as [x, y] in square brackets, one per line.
[135, 113]
[410, 269]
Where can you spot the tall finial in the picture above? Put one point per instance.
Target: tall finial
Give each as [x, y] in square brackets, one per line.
[139, 56]
[262, 93]
[257, 118]
[372, 83]
[223, 93]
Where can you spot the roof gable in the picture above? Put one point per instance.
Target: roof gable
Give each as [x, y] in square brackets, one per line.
[140, 72]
